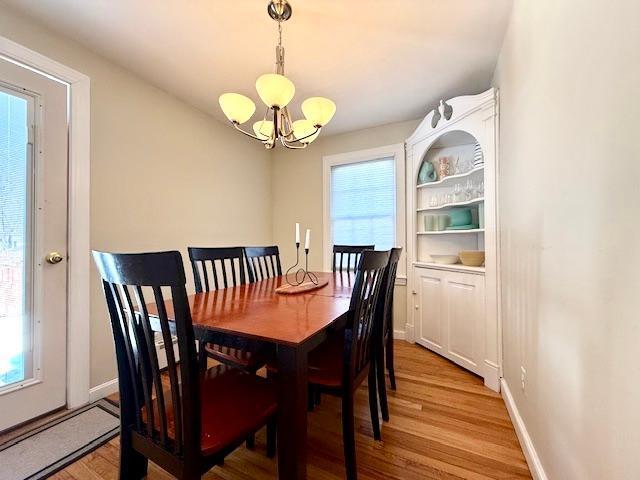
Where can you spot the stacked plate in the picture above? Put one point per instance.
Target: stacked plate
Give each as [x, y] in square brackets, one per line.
[478, 158]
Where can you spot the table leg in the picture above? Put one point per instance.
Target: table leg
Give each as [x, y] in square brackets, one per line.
[292, 421]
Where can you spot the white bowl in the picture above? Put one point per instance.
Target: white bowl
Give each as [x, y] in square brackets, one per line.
[445, 259]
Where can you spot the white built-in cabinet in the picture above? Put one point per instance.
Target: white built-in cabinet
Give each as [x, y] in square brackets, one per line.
[453, 309]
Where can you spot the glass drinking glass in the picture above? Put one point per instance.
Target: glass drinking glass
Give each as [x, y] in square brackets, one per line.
[457, 192]
[468, 189]
[456, 165]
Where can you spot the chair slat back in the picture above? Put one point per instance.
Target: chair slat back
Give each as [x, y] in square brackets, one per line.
[364, 300]
[218, 267]
[132, 283]
[263, 262]
[350, 253]
[385, 300]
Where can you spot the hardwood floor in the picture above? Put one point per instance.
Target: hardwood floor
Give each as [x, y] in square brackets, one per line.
[444, 425]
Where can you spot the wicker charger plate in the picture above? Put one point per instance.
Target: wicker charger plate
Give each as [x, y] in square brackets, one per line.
[303, 287]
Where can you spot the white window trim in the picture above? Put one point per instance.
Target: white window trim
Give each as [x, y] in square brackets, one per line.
[78, 315]
[397, 152]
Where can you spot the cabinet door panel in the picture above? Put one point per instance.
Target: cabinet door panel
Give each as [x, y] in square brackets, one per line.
[430, 309]
[464, 319]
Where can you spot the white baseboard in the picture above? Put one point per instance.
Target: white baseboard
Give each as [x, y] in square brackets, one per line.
[537, 471]
[399, 334]
[103, 390]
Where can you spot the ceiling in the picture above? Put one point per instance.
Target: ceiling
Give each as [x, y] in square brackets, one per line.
[381, 61]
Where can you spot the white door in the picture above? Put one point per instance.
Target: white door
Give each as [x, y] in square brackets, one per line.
[463, 314]
[429, 306]
[33, 225]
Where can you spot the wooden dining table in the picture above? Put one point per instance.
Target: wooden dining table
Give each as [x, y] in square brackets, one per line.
[291, 325]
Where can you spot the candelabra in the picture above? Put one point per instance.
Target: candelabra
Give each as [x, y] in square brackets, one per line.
[302, 273]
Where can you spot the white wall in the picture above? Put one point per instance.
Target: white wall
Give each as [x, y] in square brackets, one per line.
[569, 79]
[297, 192]
[163, 174]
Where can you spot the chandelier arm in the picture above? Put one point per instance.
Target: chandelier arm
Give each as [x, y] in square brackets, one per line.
[286, 123]
[266, 113]
[292, 146]
[276, 126]
[310, 135]
[237, 127]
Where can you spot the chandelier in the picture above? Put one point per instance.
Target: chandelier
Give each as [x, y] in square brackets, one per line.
[276, 91]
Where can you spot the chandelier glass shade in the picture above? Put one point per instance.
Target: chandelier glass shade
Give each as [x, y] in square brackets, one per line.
[277, 91]
[236, 107]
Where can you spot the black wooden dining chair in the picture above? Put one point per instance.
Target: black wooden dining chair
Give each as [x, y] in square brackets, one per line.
[340, 365]
[263, 262]
[352, 253]
[383, 335]
[213, 269]
[184, 420]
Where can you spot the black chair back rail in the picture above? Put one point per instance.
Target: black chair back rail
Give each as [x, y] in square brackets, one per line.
[383, 334]
[386, 296]
[364, 301]
[142, 397]
[352, 253]
[225, 265]
[263, 262]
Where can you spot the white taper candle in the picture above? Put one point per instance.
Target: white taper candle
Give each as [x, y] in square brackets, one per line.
[297, 233]
[307, 239]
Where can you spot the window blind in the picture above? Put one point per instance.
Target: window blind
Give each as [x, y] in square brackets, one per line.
[363, 203]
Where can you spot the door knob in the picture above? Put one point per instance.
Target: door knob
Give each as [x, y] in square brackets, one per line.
[54, 257]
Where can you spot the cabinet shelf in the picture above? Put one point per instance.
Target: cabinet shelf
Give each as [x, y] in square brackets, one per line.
[456, 267]
[451, 178]
[451, 232]
[475, 201]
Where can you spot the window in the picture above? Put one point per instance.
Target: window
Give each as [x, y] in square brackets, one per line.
[363, 203]
[364, 199]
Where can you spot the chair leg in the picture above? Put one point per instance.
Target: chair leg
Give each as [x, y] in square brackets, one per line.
[311, 398]
[251, 442]
[389, 352]
[272, 430]
[133, 465]
[373, 403]
[348, 436]
[382, 384]
[202, 355]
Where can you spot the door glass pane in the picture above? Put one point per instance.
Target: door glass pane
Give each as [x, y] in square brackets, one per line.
[15, 324]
